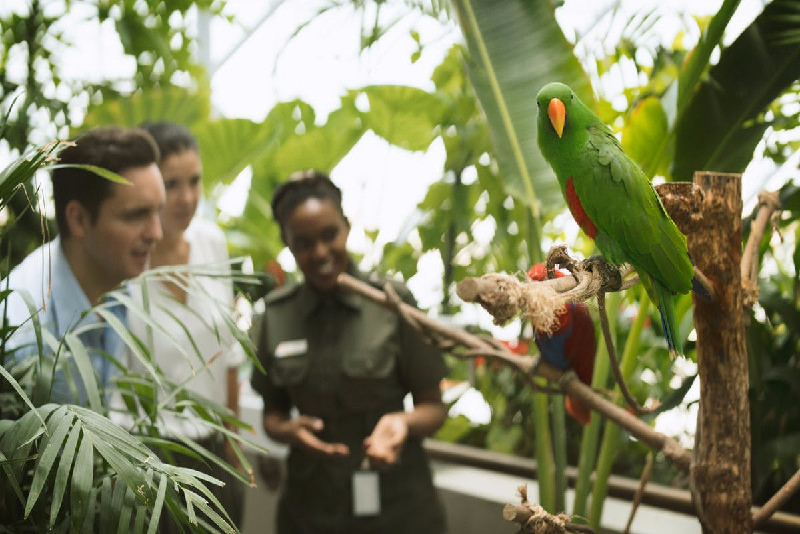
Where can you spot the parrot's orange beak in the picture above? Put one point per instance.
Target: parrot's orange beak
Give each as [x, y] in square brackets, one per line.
[557, 114]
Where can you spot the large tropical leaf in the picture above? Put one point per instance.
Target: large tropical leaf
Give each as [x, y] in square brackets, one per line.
[405, 116]
[723, 120]
[515, 48]
[172, 103]
[228, 146]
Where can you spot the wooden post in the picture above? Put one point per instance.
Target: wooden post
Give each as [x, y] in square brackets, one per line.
[721, 472]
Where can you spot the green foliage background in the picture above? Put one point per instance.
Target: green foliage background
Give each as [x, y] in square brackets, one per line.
[712, 106]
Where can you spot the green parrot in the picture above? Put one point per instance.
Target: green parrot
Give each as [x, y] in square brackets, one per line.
[613, 201]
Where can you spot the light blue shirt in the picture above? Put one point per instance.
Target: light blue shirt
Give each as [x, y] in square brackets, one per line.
[48, 279]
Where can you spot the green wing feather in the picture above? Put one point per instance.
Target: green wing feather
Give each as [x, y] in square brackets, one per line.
[625, 208]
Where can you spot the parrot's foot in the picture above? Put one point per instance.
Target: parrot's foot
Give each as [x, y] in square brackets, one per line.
[612, 279]
[558, 255]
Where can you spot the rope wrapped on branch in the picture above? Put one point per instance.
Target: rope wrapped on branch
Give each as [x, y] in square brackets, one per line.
[504, 296]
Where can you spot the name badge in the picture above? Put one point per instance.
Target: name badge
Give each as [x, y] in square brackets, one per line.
[293, 347]
[366, 493]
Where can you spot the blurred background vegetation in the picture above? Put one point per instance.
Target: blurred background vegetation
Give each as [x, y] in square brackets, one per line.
[710, 99]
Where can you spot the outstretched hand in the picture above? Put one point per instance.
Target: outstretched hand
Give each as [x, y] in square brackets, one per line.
[383, 446]
[303, 431]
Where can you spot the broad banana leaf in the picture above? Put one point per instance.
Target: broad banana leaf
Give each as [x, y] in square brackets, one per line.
[723, 121]
[515, 48]
[174, 104]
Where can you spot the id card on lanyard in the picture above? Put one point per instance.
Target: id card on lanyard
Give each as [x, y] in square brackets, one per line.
[366, 491]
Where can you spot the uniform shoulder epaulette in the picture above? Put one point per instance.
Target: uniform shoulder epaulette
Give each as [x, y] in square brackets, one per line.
[281, 293]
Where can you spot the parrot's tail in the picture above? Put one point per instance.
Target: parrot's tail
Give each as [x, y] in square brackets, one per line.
[666, 307]
[664, 299]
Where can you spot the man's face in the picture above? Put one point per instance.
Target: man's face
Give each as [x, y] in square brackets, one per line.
[119, 243]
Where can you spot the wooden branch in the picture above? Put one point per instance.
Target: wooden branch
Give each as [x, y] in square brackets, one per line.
[721, 471]
[683, 200]
[528, 366]
[768, 203]
[637, 497]
[777, 500]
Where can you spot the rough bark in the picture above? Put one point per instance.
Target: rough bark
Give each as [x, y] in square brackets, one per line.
[721, 472]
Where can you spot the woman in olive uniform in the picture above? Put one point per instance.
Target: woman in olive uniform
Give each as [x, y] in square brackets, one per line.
[356, 462]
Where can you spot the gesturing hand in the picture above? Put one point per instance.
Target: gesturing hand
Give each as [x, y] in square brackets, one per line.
[303, 431]
[383, 446]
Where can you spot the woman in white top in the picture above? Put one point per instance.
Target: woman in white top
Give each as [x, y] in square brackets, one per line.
[212, 354]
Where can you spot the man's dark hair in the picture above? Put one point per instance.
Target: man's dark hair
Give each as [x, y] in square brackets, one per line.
[298, 188]
[113, 148]
[171, 138]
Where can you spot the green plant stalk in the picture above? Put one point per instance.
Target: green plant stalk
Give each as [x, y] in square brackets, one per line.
[559, 451]
[612, 433]
[545, 463]
[591, 433]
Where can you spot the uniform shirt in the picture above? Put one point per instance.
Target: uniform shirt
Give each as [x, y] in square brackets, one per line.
[46, 276]
[348, 361]
[197, 323]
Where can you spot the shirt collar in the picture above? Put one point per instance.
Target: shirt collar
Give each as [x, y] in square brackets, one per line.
[311, 299]
[66, 296]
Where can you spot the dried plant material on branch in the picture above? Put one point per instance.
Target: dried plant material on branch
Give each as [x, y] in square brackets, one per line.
[503, 295]
[533, 519]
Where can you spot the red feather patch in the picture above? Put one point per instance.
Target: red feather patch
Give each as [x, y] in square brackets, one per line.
[578, 212]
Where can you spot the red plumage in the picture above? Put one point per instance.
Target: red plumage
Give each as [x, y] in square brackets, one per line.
[571, 346]
[577, 210]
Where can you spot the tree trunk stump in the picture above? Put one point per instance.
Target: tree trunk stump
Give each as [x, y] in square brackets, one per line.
[721, 472]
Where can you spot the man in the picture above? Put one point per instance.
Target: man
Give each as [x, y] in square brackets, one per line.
[106, 232]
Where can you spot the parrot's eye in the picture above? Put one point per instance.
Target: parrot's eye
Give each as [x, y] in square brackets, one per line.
[572, 96]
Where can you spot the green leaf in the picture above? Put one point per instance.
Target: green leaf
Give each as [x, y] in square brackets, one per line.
[51, 449]
[107, 512]
[405, 116]
[23, 168]
[158, 506]
[642, 133]
[121, 506]
[320, 148]
[18, 440]
[699, 59]
[228, 146]
[82, 478]
[723, 120]
[82, 360]
[5, 465]
[169, 103]
[515, 48]
[100, 171]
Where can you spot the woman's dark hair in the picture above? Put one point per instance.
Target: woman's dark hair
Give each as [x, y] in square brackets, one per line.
[113, 148]
[298, 188]
[172, 138]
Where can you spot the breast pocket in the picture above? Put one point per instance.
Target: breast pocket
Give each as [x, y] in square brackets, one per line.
[369, 363]
[289, 363]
